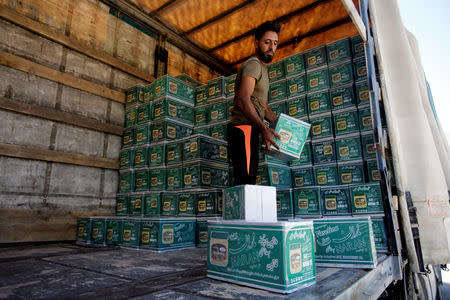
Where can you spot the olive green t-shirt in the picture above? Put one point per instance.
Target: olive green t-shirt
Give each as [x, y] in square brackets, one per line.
[252, 67]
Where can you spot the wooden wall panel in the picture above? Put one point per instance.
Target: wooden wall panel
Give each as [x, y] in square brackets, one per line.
[175, 61]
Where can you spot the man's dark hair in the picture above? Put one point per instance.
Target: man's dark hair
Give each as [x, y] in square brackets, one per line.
[266, 26]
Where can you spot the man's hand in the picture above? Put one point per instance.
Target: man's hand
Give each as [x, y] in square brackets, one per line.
[267, 138]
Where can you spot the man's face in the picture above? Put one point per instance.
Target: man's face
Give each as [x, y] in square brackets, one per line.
[267, 46]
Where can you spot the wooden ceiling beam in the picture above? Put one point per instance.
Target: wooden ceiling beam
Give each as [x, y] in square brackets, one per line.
[173, 37]
[219, 16]
[278, 20]
[297, 39]
[168, 6]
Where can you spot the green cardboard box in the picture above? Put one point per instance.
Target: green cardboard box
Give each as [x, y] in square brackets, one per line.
[201, 94]
[205, 147]
[372, 170]
[157, 179]
[285, 209]
[342, 97]
[187, 201]
[149, 93]
[134, 95]
[168, 129]
[321, 126]
[302, 176]
[218, 130]
[174, 177]
[345, 243]
[307, 202]
[357, 46]
[189, 80]
[169, 203]
[379, 234]
[366, 199]
[359, 69]
[280, 258]
[208, 202]
[276, 71]
[297, 107]
[274, 175]
[346, 122]
[170, 86]
[277, 90]
[335, 200]
[315, 57]
[318, 102]
[122, 204]
[174, 152]
[351, 172]
[230, 84]
[84, 230]
[348, 148]
[265, 158]
[130, 117]
[168, 107]
[126, 181]
[113, 230]
[324, 151]
[201, 231]
[341, 74]
[201, 173]
[326, 175]
[126, 159]
[362, 93]
[152, 204]
[168, 233]
[365, 118]
[217, 112]
[305, 157]
[216, 88]
[141, 180]
[128, 138]
[140, 157]
[201, 115]
[143, 113]
[136, 204]
[157, 154]
[293, 134]
[294, 64]
[296, 86]
[99, 230]
[130, 233]
[339, 50]
[278, 107]
[202, 129]
[317, 80]
[368, 145]
[142, 135]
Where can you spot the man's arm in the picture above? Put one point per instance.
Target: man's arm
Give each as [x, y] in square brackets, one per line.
[269, 114]
[244, 103]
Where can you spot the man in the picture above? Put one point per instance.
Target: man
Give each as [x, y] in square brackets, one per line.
[250, 107]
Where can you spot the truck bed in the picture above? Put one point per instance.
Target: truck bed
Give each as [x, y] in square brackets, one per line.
[65, 270]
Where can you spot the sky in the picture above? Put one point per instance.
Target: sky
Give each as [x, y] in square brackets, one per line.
[429, 21]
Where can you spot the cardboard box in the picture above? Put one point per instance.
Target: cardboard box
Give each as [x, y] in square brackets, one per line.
[294, 64]
[339, 50]
[321, 126]
[277, 91]
[342, 97]
[341, 74]
[315, 57]
[317, 80]
[168, 107]
[302, 176]
[157, 154]
[366, 199]
[324, 151]
[152, 204]
[170, 86]
[140, 157]
[349, 148]
[345, 243]
[318, 103]
[326, 174]
[305, 157]
[297, 107]
[307, 202]
[250, 203]
[216, 88]
[296, 86]
[274, 175]
[168, 130]
[346, 122]
[278, 257]
[359, 69]
[122, 204]
[293, 133]
[205, 147]
[275, 71]
[351, 172]
[357, 46]
[174, 152]
[285, 209]
[335, 200]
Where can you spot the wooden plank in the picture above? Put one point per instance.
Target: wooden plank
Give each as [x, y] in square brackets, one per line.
[62, 39]
[26, 225]
[59, 116]
[356, 18]
[17, 151]
[22, 64]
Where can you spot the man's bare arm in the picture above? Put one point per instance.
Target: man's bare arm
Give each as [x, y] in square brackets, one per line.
[269, 114]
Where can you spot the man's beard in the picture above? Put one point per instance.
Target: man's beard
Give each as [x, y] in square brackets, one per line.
[265, 58]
